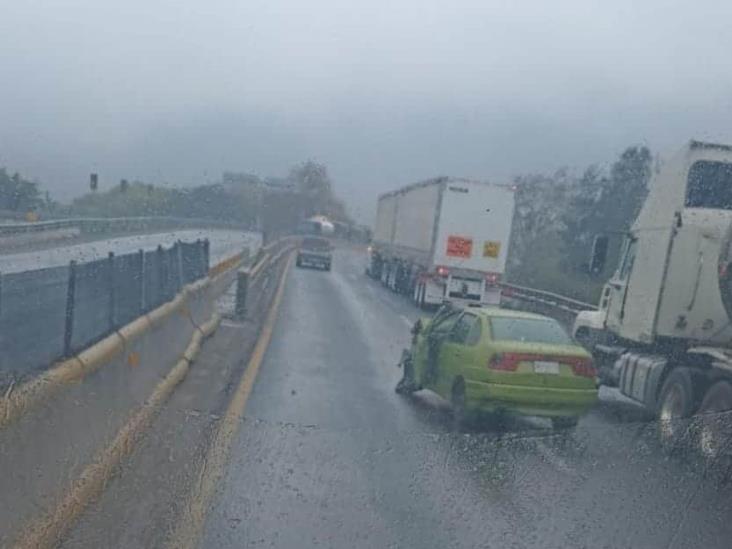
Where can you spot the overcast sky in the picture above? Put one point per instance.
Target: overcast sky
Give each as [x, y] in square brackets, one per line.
[385, 92]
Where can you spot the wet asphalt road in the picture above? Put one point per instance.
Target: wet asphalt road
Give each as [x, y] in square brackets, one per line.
[330, 456]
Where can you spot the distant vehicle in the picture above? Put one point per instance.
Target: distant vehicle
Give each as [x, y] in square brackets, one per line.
[445, 239]
[316, 225]
[663, 329]
[496, 360]
[315, 252]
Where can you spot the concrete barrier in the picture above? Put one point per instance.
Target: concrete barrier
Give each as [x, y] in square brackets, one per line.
[53, 426]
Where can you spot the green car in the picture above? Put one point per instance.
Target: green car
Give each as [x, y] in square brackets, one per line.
[497, 360]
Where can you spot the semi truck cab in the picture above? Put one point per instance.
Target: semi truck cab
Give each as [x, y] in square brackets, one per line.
[663, 328]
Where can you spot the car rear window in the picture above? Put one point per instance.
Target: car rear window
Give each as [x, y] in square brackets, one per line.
[530, 330]
[316, 244]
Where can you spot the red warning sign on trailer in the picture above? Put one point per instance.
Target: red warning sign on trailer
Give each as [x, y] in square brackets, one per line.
[459, 246]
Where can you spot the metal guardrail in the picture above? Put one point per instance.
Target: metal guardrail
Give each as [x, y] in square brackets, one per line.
[111, 224]
[549, 299]
[252, 280]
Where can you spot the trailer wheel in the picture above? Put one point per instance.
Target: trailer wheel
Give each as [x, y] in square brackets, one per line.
[715, 428]
[675, 404]
[422, 297]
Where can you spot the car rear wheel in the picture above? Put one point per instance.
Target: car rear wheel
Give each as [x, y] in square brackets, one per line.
[457, 400]
[675, 404]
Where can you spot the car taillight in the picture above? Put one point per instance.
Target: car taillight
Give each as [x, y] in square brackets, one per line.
[442, 271]
[582, 367]
[507, 362]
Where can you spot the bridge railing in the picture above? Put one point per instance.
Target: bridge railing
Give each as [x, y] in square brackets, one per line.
[557, 306]
[114, 224]
[52, 313]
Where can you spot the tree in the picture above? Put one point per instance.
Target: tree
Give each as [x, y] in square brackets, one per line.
[606, 205]
[18, 194]
[314, 185]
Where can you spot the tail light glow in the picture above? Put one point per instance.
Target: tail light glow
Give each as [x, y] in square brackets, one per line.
[509, 362]
[442, 271]
[492, 278]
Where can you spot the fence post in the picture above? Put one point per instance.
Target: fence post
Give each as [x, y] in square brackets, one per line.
[206, 256]
[112, 290]
[161, 281]
[70, 297]
[200, 257]
[179, 263]
[141, 273]
[242, 288]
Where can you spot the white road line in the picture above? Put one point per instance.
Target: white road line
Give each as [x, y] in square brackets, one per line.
[406, 320]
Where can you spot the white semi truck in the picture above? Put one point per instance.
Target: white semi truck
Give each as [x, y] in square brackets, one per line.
[445, 239]
[663, 329]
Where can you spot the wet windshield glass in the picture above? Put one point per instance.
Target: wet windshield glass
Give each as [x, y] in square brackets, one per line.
[528, 331]
[308, 274]
[710, 185]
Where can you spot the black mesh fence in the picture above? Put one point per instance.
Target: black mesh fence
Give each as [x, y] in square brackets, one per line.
[48, 314]
[32, 317]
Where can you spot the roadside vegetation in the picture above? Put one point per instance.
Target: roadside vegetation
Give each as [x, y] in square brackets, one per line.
[558, 215]
[271, 204]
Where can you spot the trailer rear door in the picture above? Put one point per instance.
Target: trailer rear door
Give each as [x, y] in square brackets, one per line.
[474, 226]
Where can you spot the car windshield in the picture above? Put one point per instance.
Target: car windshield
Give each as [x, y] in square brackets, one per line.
[365, 274]
[316, 244]
[528, 330]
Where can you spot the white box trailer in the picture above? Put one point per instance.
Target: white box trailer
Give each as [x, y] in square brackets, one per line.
[445, 239]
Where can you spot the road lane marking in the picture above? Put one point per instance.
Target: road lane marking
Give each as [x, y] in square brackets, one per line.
[406, 320]
[47, 531]
[189, 528]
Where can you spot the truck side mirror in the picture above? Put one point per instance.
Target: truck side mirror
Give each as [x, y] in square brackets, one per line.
[599, 254]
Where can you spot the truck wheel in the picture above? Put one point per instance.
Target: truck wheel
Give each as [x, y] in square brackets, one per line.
[714, 431]
[675, 404]
[457, 400]
[422, 294]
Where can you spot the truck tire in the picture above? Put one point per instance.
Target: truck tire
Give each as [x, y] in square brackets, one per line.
[714, 428]
[676, 402]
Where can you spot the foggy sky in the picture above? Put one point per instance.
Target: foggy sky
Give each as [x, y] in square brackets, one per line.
[383, 92]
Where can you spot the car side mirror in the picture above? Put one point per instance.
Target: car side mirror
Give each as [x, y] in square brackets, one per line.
[598, 257]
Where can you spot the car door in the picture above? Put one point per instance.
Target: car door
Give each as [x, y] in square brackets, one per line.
[430, 351]
[459, 352]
